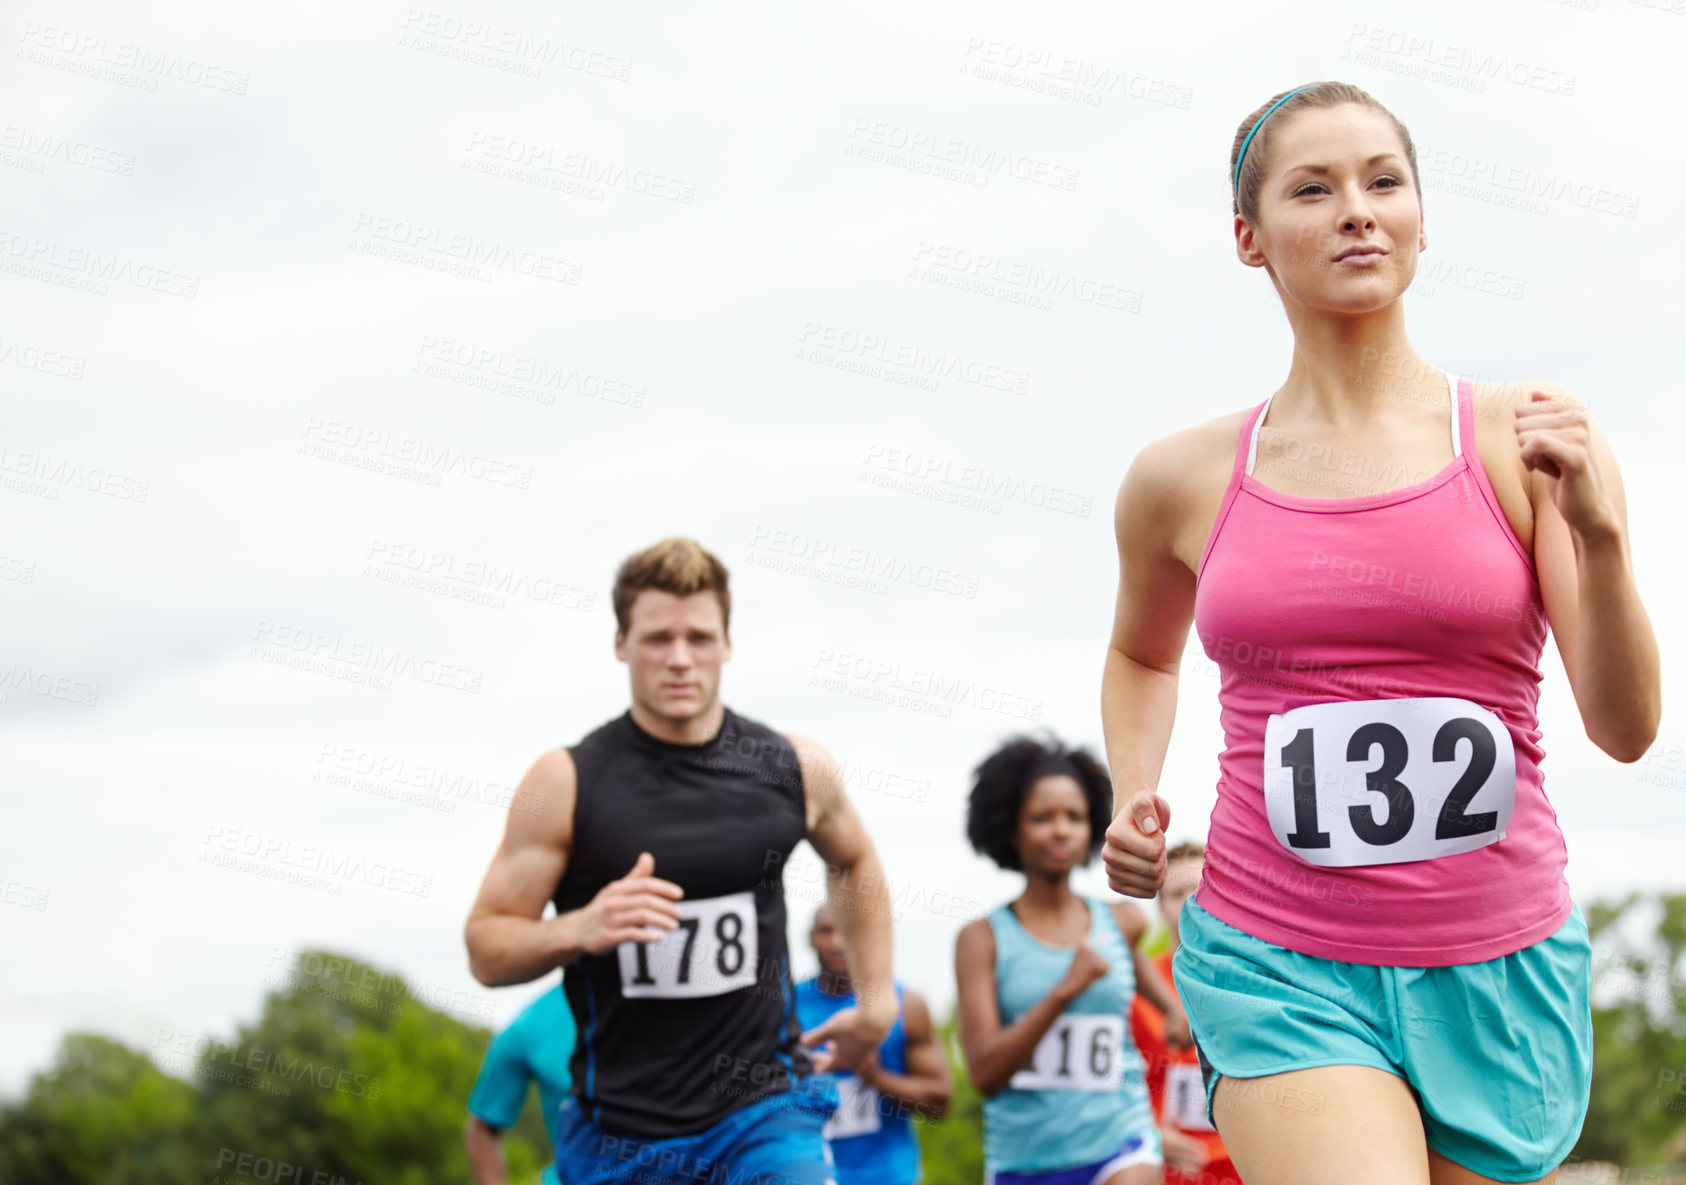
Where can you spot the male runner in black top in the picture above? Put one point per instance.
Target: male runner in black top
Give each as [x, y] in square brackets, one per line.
[690, 1065]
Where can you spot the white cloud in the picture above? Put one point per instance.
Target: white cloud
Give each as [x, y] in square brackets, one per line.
[297, 338]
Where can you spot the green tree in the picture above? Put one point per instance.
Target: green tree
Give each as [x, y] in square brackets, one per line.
[265, 1090]
[348, 1074]
[1637, 1115]
[344, 1074]
[952, 1149]
[101, 1113]
[407, 1130]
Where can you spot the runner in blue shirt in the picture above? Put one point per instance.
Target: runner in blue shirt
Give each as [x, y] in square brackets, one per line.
[871, 1133]
[534, 1048]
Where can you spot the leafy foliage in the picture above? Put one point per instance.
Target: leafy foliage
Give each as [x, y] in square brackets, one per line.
[103, 1112]
[345, 1073]
[952, 1150]
[1637, 1115]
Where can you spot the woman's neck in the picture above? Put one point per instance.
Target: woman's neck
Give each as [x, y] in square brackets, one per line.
[1347, 371]
[1048, 895]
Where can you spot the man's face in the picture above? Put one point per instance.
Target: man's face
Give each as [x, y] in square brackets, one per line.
[1182, 877]
[828, 945]
[674, 647]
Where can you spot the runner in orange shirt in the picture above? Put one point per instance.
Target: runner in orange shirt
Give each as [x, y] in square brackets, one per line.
[1194, 1153]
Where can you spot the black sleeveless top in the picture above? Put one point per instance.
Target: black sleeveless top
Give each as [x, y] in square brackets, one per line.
[674, 1036]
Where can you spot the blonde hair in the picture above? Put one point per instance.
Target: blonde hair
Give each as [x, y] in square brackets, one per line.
[1187, 850]
[1316, 95]
[676, 565]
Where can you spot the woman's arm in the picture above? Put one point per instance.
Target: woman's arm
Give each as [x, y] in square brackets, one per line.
[1585, 568]
[994, 1054]
[1150, 627]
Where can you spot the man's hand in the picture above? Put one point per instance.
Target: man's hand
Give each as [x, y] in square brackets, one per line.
[854, 1034]
[1182, 1152]
[637, 908]
[1134, 853]
[1177, 1032]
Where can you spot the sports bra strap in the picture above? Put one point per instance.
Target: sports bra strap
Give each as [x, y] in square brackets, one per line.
[1457, 415]
[1258, 422]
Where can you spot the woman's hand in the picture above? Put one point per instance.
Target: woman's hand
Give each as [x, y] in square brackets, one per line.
[1134, 852]
[1087, 966]
[1555, 441]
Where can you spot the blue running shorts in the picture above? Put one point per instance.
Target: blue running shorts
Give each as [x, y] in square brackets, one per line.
[1137, 1150]
[774, 1141]
[1498, 1054]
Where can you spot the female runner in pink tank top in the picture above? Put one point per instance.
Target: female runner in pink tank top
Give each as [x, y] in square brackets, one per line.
[1384, 974]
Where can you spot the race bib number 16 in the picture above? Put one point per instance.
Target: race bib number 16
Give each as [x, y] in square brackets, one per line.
[711, 953]
[1388, 781]
[1078, 1052]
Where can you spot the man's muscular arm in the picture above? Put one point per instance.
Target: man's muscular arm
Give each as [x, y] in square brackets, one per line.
[855, 886]
[509, 938]
[926, 1085]
[485, 1152]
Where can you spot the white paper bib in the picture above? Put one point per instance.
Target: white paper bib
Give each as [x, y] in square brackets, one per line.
[711, 953]
[1185, 1098]
[857, 1111]
[1078, 1052]
[1387, 781]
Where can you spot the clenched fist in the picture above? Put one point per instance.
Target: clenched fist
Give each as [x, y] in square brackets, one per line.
[637, 908]
[1087, 966]
[1134, 853]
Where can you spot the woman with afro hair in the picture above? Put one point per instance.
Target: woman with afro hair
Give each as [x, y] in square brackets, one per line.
[1047, 979]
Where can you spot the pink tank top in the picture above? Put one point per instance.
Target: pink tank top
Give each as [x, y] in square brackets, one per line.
[1380, 798]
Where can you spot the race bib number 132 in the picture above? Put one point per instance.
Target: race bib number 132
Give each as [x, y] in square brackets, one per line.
[1388, 781]
[711, 953]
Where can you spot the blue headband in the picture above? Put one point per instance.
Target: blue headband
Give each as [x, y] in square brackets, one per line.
[1242, 155]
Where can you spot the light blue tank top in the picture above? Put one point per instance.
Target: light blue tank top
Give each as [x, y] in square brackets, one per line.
[1052, 1126]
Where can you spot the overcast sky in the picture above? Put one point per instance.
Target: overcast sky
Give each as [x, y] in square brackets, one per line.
[317, 318]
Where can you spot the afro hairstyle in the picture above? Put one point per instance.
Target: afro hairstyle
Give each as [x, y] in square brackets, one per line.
[999, 787]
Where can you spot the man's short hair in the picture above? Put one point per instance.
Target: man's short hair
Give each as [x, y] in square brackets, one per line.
[676, 565]
[1187, 850]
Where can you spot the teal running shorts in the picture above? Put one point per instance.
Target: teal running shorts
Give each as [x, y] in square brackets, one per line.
[1498, 1054]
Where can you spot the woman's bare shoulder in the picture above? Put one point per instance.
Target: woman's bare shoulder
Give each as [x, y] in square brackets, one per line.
[975, 940]
[1186, 462]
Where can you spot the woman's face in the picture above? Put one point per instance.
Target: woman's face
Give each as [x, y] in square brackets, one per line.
[1053, 832]
[1339, 225]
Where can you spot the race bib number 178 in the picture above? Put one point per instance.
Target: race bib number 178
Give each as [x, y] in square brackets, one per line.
[1388, 781]
[711, 953]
